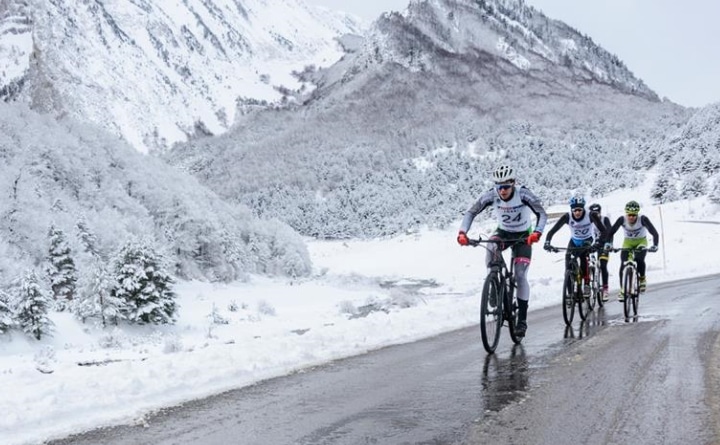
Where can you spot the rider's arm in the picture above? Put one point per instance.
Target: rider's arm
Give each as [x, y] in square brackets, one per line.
[614, 228]
[529, 199]
[595, 218]
[484, 202]
[560, 222]
[646, 222]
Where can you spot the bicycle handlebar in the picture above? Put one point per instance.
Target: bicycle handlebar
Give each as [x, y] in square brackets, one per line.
[631, 249]
[576, 249]
[509, 242]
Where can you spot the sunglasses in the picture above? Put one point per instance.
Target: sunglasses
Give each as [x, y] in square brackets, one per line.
[503, 186]
[578, 209]
[632, 214]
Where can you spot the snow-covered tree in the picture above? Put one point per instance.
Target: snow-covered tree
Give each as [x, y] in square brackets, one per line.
[693, 185]
[144, 285]
[32, 303]
[97, 300]
[663, 190]
[88, 239]
[6, 313]
[61, 269]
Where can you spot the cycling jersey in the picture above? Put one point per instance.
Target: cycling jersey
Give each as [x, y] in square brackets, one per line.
[639, 230]
[513, 215]
[581, 229]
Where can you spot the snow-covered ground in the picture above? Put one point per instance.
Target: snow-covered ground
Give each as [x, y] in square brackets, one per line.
[364, 295]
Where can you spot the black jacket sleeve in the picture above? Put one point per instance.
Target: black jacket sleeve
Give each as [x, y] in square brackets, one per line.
[560, 222]
[646, 222]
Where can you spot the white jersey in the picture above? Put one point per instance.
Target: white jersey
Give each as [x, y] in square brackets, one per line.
[513, 215]
[582, 229]
[634, 231]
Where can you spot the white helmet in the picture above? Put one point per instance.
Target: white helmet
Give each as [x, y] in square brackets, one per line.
[504, 173]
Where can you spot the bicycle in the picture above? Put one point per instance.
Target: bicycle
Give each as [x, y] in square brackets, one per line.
[631, 280]
[498, 303]
[573, 285]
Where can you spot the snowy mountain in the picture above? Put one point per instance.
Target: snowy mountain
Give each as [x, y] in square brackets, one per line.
[158, 72]
[403, 130]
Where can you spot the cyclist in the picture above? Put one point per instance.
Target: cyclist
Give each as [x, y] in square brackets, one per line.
[582, 225]
[636, 227]
[604, 255]
[514, 206]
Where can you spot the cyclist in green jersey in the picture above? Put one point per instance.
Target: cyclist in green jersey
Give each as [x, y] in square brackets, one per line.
[636, 228]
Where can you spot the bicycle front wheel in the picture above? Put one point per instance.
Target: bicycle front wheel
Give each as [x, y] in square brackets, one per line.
[599, 287]
[593, 288]
[628, 291]
[582, 301]
[512, 314]
[491, 313]
[568, 301]
[635, 295]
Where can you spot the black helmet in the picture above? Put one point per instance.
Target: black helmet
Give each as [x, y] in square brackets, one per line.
[595, 207]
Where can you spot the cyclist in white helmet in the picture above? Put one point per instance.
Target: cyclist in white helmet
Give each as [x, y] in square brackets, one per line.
[514, 206]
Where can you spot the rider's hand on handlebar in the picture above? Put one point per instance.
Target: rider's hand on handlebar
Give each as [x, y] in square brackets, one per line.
[533, 238]
[653, 248]
[608, 247]
[547, 246]
[462, 238]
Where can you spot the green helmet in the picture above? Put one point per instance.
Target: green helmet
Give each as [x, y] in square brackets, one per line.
[632, 208]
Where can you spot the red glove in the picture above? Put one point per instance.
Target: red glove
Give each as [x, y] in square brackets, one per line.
[533, 238]
[462, 239]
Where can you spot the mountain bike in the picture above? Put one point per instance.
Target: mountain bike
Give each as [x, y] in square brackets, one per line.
[498, 303]
[631, 281]
[573, 285]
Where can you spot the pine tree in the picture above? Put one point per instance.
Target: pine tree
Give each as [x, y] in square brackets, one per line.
[97, 300]
[87, 238]
[61, 270]
[145, 286]
[6, 314]
[32, 304]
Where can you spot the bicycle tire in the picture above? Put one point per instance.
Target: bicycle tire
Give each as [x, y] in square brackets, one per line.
[593, 289]
[511, 311]
[491, 318]
[636, 294]
[628, 275]
[582, 302]
[599, 287]
[568, 301]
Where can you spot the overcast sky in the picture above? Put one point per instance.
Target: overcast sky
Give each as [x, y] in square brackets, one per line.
[671, 46]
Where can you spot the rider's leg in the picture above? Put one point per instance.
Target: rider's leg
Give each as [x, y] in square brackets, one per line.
[523, 293]
[640, 259]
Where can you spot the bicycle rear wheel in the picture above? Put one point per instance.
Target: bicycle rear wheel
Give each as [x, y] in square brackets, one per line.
[491, 317]
[568, 301]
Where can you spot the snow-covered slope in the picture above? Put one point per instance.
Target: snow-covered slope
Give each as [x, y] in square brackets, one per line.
[158, 72]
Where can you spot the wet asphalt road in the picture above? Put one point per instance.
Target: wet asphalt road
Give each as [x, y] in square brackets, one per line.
[653, 380]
